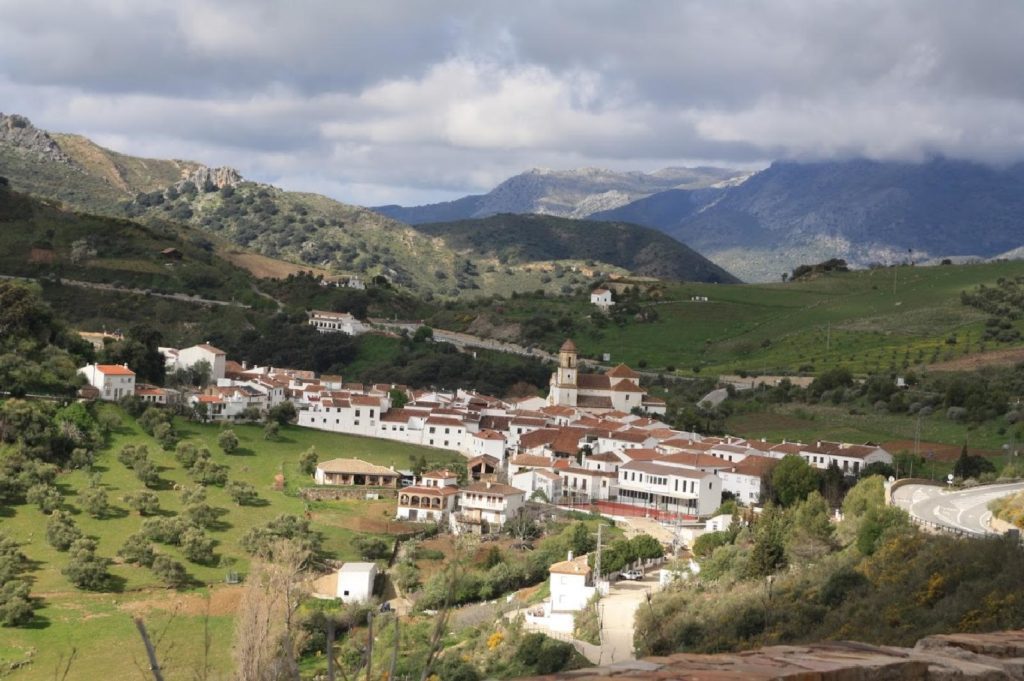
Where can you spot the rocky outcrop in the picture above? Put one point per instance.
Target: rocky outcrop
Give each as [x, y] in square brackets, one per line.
[217, 177]
[18, 132]
[964, 657]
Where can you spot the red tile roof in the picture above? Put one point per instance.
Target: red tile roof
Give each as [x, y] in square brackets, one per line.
[114, 370]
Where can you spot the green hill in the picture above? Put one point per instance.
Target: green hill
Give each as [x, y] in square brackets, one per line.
[867, 320]
[510, 238]
[305, 229]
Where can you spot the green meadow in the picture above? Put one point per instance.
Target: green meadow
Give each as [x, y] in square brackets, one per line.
[98, 626]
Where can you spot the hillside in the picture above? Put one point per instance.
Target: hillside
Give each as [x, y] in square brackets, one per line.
[863, 211]
[41, 240]
[890, 319]
[305, 229]
[564, 193]
[525, 238]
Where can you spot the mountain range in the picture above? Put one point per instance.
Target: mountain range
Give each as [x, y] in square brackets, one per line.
[312, 229]
[760, 225]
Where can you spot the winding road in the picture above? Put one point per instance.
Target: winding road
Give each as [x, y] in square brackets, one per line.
[964, 511]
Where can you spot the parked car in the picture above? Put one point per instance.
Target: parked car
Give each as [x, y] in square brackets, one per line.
[633, 575]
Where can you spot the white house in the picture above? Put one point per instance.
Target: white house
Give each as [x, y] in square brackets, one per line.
[485, 507]
[672, 489]
[355, 582]
[487, 443]
[601, 297]
[422, 503]
[571, 584]
[532, 480]
[215, 357]
[336, 322]
[114, 381]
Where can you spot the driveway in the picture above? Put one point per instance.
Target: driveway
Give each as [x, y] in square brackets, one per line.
[960, 511]
[618, 610]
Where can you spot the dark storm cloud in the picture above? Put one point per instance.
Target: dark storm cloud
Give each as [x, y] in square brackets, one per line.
[409, 101]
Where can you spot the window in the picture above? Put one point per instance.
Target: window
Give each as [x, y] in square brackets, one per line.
[357, 413]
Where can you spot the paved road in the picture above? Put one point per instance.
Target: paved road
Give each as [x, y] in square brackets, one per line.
[960, 511]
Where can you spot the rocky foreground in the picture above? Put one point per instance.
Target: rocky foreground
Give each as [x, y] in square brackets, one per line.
[965, 657]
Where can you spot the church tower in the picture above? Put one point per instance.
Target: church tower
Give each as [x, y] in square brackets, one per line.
[564, 382]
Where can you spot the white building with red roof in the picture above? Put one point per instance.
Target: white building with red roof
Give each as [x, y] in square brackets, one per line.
[601, 297]
[618, 390]
[113, 381]
[485, 507]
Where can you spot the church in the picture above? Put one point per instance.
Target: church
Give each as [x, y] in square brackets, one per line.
[617, 390]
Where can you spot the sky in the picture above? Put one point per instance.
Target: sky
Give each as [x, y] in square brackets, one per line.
[414, 101]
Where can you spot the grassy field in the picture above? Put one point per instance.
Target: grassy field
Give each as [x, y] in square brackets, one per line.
[97, 624]
[866, 320]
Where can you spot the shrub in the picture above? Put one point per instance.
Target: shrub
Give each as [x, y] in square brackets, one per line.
[15, 603]
[170, 571]
[45, 496]
[308, 461]
[143, 503]
[94, 500]
[197, 546]
[242, 493]
[228, 441]
[85, 569]
[61, 531]
[137, 549]
[165, 530]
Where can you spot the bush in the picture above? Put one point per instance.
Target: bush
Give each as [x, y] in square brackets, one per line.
[228, 441]
[85, 569]
[196, 546]
[61, 531]
[137, 549]
[143, 503]
[45, 496]
[170, 571]
[15, 603]
[94, 501]
[206, 472]
[165, 530]
[308, 461]
[242, 493]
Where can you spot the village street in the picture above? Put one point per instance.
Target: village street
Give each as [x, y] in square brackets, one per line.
[618, 610]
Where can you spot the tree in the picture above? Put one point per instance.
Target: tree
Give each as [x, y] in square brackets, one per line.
[811, 532]
[267, 635]
[45, 496]
[398, 398]
[137, 549]
[768, 554]
[193, 495]
[372, 548]
[242, 493]
[15, 603]
[85, 569]
[201, 514]
[580, 540]
[186, 454]
[165, 530]
[228, 441]
[146, 472]
[308, 461]
[143, 503]
[197, 546]
[61, 531]
[793, 479]
[205, 472]
[407, 576]
[94, 499]
[645, 547]
[165, 435]
[271, 430]
[171, 572]
[282, 413]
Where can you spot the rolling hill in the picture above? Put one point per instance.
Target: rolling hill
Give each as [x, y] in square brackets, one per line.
[510, 238]
[301, 228]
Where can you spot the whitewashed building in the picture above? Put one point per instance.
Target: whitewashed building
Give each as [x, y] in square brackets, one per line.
[355, 582]
[571, 584]
[485, 507]
[113, 381]
[336, 322]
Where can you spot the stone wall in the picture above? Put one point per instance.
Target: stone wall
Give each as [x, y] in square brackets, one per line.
[335, 493]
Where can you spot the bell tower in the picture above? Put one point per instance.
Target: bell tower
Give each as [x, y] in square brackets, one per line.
[565, 381]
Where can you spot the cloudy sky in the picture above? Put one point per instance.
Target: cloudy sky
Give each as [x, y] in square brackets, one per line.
[411, 101]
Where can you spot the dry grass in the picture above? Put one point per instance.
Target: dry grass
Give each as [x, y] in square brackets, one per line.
[993, 358]
[267, 268]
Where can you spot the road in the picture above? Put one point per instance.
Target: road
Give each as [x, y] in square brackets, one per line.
[181, 297]
[959, 511]
[618, 610]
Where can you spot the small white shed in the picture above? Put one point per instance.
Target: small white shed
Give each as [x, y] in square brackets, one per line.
[355, 582]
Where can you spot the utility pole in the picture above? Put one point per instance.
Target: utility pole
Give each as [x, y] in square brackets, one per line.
[394, 651]
[369, 645]
[154, 665]
[330, 650]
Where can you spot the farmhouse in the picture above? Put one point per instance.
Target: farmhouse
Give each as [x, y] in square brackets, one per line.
[602, 297]
[336, 322]
[113, 381]
[355, 473]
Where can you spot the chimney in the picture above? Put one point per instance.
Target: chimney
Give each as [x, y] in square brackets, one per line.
[489, 484]
[570, 555]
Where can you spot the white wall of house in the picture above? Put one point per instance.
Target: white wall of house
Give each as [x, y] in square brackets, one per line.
[197, 353]
[114, 381]
[355, 582]
[569, 592]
